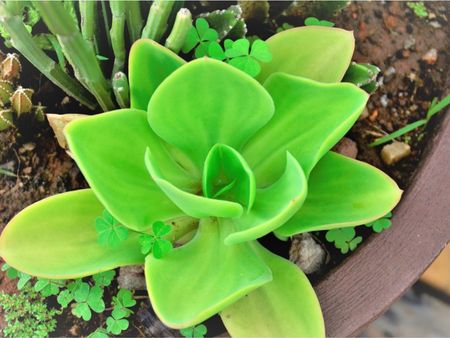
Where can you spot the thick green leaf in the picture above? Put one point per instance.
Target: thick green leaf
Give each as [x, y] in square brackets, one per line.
[285, 307]
[227, 175]
[207, 102]
[310, 117]
[109, 149]
[343, 192]
[191, 204]
[56, 238]
[149, 64]
[273, 205]
[201, 278]
[318, 53]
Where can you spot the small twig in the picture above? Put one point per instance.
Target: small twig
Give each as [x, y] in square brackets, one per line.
[140, 297]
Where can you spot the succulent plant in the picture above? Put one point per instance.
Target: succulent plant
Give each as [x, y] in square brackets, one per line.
[214, 152]
[14, 99]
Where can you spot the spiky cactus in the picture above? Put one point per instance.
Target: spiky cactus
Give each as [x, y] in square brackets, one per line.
[15, 101]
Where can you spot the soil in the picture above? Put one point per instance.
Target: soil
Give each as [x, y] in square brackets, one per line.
[387, 35]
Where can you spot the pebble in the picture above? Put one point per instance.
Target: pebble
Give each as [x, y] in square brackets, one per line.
[373, 116]
[409, 42]
[132, 277]
[307, 253]
[435, 24]
[384, 100]
[27, 147]
[430, 57]
[389, 74]
[394, 152]
[346, 147]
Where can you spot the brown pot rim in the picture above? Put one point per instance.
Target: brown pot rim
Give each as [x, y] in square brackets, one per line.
[387, 264]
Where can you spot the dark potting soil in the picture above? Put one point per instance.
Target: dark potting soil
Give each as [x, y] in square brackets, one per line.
[387, 35]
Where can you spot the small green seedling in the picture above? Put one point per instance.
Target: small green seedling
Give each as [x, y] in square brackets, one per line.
[88, 299]
[344, 239]
[118, 322]
[155, 243]
[110, 231]
[434, 108]
[198, 331]
[312, 21]
[199, 37]
[48, 287]
[103, 279]
[418, 8]
[238, 54]
[381, 224]
[285, 26]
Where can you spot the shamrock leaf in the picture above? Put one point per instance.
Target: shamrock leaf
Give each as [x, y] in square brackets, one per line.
[260, 51]
[124, 299]
[312, 21]
[64, 298]
[198, 331]
[75, 285]
[155, 243]
[99, 333]
[216, 51]
[11, 273]
[239, 56]
[344, 239]
[23, 279]
[161, 229]
[104, 278]
[246, 64]
[238, 48]
[48, 287]
[147, 242]
[381, 224]
[200, 37]
[110, 231]
[116, 323]
[88, 299]
[284, 26]
[161, 247]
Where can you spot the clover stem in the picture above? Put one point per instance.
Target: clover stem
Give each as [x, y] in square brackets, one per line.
[157, 20]
[77, 51]
[22, 40]
[177, 37]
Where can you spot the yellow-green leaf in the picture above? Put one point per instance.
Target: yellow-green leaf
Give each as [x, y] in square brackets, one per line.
[55, 238]
[285, 307]
[201, 278]
[318, 53]
[343, 192]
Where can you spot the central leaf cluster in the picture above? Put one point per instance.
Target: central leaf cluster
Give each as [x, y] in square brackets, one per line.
[227, 176]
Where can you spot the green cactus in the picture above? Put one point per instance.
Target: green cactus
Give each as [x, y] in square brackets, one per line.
[15, 100]
[363, 75]
[227, 22]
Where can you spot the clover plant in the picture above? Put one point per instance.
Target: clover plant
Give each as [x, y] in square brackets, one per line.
[212, 151]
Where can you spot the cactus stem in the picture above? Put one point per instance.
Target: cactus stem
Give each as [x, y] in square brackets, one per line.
[183, 22]
[157, 19]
